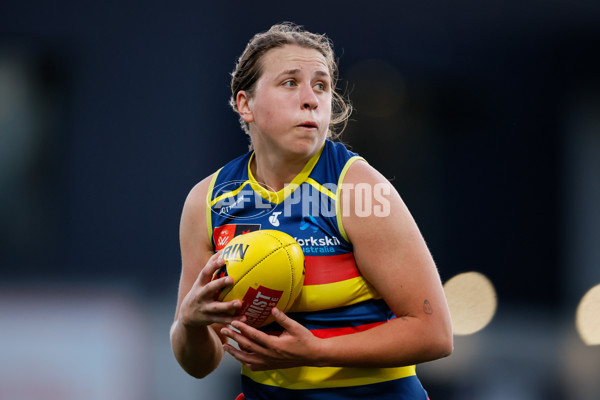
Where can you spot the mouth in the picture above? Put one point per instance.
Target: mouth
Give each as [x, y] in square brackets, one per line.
[308, 125]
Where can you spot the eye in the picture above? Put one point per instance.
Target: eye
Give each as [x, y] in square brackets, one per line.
[321, 86]
[289, 83]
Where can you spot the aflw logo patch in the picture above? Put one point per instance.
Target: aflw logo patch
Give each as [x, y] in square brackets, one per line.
[223, 234]
[222, 241]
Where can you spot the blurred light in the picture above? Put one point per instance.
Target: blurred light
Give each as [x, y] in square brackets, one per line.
[472, 302]
[587, 319]
[18, 122]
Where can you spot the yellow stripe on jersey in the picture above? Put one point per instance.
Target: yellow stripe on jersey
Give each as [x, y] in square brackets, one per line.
[209, 204]
[326, 377]
[228, 194]
[338, 206]
[321, 188]
[333, 295]
[278, 197]
[281, 195]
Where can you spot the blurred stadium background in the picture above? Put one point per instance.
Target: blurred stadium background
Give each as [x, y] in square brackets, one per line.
[485, 116]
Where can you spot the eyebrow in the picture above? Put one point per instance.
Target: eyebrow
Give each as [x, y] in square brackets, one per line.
[296, 71]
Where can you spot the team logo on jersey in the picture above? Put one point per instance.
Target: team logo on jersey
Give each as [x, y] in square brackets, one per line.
[224, 233]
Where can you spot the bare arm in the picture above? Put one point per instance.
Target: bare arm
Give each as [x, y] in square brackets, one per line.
[195, 338]
[392, 255]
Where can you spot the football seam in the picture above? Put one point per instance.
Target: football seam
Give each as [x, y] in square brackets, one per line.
[292, 282]
[282, 246]
[256, 265]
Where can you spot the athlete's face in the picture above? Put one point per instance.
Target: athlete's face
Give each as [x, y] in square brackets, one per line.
[290, 108]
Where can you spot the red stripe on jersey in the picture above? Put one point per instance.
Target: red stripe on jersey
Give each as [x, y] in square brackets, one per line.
[327, 333]
[332, 332]
[320, 270]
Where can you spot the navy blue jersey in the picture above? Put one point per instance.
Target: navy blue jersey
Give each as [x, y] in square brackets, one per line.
[335, 299]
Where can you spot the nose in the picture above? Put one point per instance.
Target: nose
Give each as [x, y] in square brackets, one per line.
[308, 98]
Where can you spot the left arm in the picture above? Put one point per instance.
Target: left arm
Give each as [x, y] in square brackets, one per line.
[392, 255]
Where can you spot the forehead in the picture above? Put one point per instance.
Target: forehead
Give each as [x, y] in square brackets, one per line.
[290, 57]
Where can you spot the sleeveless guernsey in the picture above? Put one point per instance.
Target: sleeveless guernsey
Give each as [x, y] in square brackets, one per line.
[335, 299]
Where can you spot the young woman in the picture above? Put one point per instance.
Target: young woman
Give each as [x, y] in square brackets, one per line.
[372, 305]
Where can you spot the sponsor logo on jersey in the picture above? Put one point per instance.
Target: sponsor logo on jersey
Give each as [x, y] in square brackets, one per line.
[224, 233]
[273, 218]
[309, 222]
[313, 244]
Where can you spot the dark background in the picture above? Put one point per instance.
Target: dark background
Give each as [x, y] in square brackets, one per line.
[465, 105]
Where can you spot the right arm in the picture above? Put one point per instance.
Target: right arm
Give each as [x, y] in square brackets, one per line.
[195, 334]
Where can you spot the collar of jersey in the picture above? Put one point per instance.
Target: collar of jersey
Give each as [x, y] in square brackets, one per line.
[278, 197]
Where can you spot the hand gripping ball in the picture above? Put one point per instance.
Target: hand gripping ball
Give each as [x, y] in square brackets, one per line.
[267, 267]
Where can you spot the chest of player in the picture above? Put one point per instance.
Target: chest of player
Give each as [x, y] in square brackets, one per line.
[306, 213]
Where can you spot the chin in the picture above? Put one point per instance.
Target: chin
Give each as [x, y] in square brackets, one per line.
[307, 148]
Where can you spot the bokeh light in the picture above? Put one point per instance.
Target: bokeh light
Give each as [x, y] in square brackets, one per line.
[472, 302]
[587, 318]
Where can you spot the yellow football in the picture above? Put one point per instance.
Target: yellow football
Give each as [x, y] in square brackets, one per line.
[267, 267]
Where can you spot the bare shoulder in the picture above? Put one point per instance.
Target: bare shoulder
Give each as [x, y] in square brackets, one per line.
[361, 171]
[388, 247]
[193, 224]
[196, 198]
[369, 200]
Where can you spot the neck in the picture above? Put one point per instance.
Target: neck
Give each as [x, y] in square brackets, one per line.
[273, 172]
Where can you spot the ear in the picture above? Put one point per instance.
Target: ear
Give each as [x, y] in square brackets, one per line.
[244, 106]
